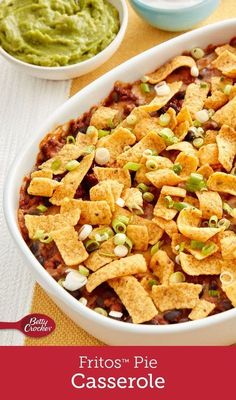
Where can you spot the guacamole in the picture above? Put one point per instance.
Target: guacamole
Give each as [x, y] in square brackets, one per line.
[55, 33]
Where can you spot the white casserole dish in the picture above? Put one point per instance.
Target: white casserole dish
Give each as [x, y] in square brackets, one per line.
[215, 330]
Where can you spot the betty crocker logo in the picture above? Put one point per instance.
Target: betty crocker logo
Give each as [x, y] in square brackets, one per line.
[33, 325]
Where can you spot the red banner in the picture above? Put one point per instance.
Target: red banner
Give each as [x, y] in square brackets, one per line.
[143, 373]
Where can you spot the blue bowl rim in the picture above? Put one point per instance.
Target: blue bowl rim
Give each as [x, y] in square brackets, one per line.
[174, 10]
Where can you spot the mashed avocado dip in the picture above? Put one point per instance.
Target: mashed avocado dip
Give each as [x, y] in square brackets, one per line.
[54, 33]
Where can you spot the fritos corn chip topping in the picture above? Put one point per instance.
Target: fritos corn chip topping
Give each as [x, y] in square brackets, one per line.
[138, 196]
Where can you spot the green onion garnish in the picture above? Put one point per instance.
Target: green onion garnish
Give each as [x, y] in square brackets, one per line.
[213, 293]
[123, 219]
[142, 187]
[177, 168]
[168, 201]
[42, 208]
[145, 88]
[83, 270]
[132, 166]
[71, 165]
[227, 89]
[178, 205]
[168, 135]
[119, 239]
[156, 247]
[152, 282]
[203, 85]
[91, 245]
[128, 243]
[164, 119]
[213, 221]
[42, 236]
[102, 133]
[151, 164]
[208, 249]
[101, 311]
[88, 149]
[118, 226]
[110, 124]
[197, 124]
[46, 239]
[177, 277]
[56, 164]
[196, 245]
[197, 53]
[224, 223]
[70, 140]
[227, 208]
[181, 246]
[195, 183]
[198, 142]
[148, 196]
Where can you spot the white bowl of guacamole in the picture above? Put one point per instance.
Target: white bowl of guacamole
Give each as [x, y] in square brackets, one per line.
[58, 39]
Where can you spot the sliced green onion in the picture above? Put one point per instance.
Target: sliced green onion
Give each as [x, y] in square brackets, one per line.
[70, 140]
[208, 249]
[203, 85]
[196, 245]
[226, 278]
[119, 239]
[132, 166]
[142, 187]
[227, 208]
[38, 234]
[213, 293]
[152, 282]
[123, 219]
[147, 153]
[42, 208]
[118, 226]
[197, 53]
[88, 149]
[46, 239]
[91, 245]
[198, 142]
[197, 124]
[213, 221]
[195, 183]
[211, 112]
[168, 201]
[181, 247]
[91, 129]
[177, 168]
[110, 123]
[156, 247]
[151, 164]
[164, 119]
[227, 89]
[101, 237]
[177, 277]
[148, 196]
[145, 88]
[71, 165]
[128, 243]
[101, 311]
[56, 164]
[102, 133]
[131, 119]
[83, 270]
[224, 223]
[178, 205]
[168, 135]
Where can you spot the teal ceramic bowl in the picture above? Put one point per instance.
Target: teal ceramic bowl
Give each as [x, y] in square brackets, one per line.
[174, 20]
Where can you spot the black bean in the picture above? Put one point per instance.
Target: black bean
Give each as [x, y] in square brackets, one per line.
[172, 316]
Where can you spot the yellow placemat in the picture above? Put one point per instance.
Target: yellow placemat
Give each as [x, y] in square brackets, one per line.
[139, 37]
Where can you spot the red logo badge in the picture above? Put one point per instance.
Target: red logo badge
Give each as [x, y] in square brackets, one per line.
[33, 325]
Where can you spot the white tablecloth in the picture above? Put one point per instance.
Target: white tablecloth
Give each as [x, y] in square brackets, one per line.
[24, 103]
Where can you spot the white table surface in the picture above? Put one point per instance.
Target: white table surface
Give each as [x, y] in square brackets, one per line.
[24, 103]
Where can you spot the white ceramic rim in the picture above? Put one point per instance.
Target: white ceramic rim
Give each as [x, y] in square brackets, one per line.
[87, 63]
[43, 276]
[160, 10]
